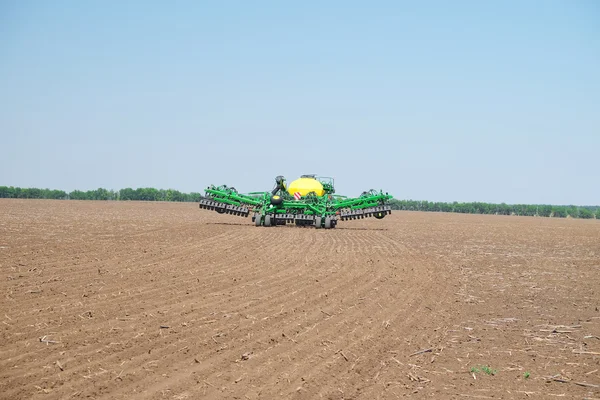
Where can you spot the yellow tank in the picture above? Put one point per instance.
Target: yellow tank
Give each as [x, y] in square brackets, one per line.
[304, 186]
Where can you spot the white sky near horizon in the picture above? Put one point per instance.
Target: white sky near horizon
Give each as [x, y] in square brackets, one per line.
[440, 101]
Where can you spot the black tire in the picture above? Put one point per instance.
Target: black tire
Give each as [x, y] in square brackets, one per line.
[220, 210]
[379, 215]
[328, 223]
[318, 222]
[267, 220]
[276, 200]
[257, 218]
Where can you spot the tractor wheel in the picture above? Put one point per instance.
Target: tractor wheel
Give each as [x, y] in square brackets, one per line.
[220, 210]
[328, 223]
[276, 200]
[318, 222]
[257, 218]
[267, 220]
[379, 215]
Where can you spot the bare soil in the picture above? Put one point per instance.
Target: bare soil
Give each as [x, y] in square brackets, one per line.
[123, 300]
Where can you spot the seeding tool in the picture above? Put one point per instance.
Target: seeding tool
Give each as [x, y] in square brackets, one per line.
[307, 201]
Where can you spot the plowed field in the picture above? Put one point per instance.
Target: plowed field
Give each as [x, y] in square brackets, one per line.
[122, 300]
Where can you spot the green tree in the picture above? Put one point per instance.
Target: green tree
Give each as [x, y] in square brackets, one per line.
[545, 210]
[101, 194]
[585, 213]
[573, 212]
[33, 193]
[56, 194]
[140, 194]
[194, 197]
[7, 192]
[177, 196]
[77, 195]
[504, 209]
[127, 194]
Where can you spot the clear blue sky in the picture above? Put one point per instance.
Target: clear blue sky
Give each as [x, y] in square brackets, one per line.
[434, 100]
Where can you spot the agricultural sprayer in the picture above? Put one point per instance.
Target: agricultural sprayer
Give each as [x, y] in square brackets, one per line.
[307, 201]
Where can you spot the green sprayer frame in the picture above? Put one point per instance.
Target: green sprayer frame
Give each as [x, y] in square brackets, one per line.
[279, 208]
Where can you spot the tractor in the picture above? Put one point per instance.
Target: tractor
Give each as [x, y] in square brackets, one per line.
[308, 201]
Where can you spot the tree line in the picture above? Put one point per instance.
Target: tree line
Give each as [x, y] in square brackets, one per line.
[152, 194]
[537, 210]
[141, 194]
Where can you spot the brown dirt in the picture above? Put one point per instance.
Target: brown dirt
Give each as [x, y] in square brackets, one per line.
[158, 300]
